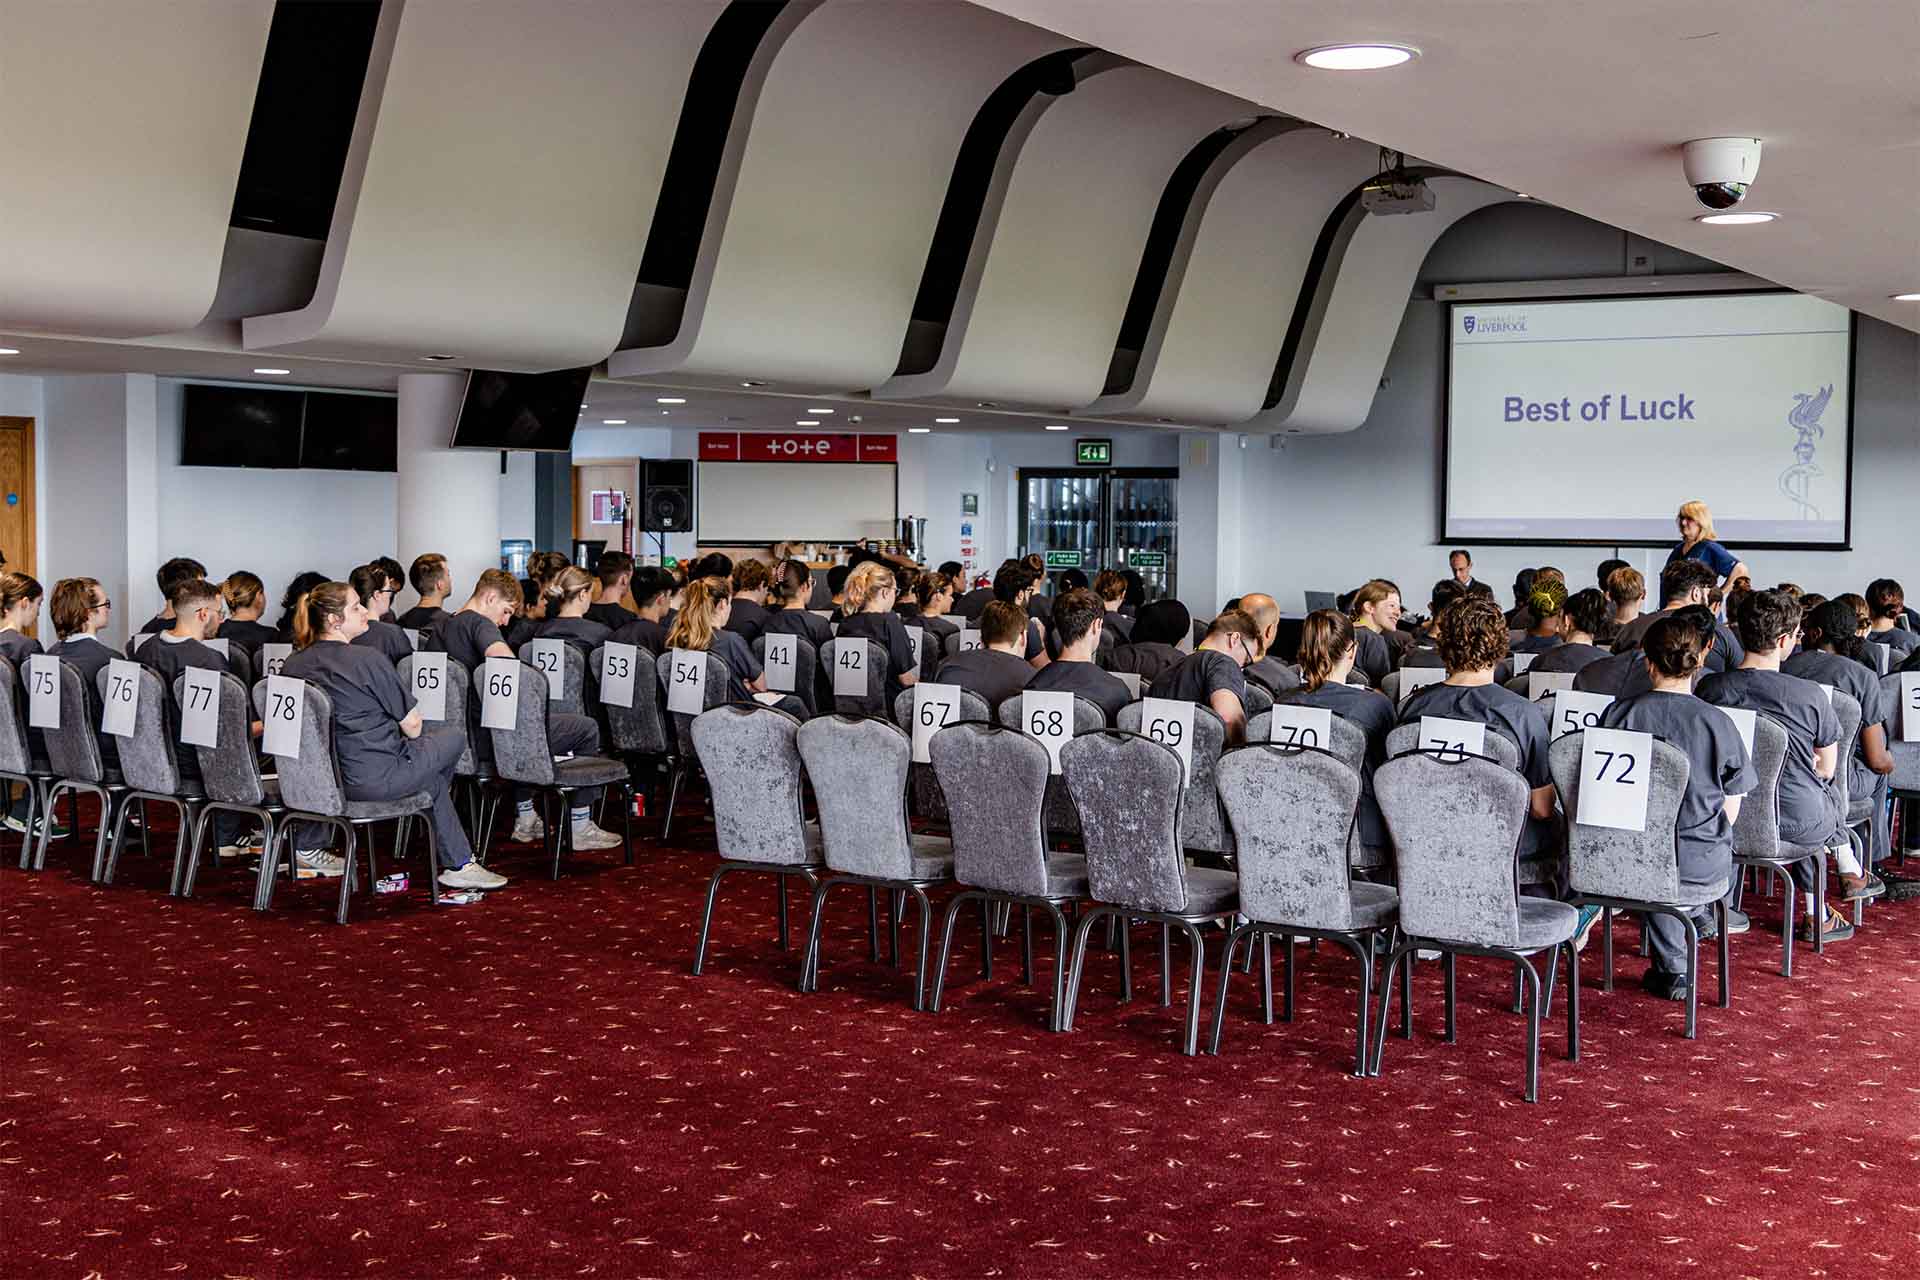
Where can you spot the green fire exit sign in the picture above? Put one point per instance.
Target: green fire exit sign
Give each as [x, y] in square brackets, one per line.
[1093, 453]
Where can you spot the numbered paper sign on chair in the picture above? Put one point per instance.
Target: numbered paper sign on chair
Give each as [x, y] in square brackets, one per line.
[1048, 718]
[1614, 767]
[1170, 720]
[1542, 683]
[687, 682]
[500, 693]
[222, 647]
[850, 669]
[1451, 737]
[782, 663]
[123, 698]
[1743, 719]
[549, 658]
[1909, 706]
[286, 713]
[1297, 726]
[1131, 679]
[273, 657]
[1522, 661]
[914, 635]
[935, 706]
[969, 638]
[43, 691]
[413, 638]
[617, 662]
[1574, 711]
[430, 685]
[1412, 678]
[200, 707]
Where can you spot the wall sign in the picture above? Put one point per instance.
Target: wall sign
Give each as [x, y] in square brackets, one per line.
[1093, 453]
[1063, 559]
[797, 446]
[1146, 559]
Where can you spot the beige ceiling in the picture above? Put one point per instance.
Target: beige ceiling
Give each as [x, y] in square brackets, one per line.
[1586, 104]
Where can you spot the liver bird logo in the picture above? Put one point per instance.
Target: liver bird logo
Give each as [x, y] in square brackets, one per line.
[1797, 480]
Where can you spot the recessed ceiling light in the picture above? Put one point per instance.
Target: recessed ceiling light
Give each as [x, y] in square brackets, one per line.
[1521, 195]
[1056, 426]
[613, 422]
[1898, 297]
[1356, 57]
[9, 351]
[440, 357]
[822, 412]
[1735, 219]
[919, 431]
[806, 422]
[273, 373]
[753, 382]
[946, 422]
[666, 413]
[669, 400]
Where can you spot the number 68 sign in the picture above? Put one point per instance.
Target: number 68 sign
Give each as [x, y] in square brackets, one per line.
[1615, 765]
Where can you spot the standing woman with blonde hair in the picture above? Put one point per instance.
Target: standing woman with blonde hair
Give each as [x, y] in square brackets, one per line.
[1698, 541]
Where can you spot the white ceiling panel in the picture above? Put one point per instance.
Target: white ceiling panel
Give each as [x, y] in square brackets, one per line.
[125, 121]
[808, 273]
[505, 164]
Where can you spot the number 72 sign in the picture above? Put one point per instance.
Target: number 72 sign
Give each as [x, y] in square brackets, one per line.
[1616, 766]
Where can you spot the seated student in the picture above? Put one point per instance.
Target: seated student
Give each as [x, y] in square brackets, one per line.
[1473, 641]
[470, 636]
[1719, 773]
[1832, 653]
[1111, 587]
[541, 566]
[1039, 604]
[1624, 674]
[81, 611]
[792, 588]
[1684, 582]
[935, 592]
[369, 582]
[1582, 615]
[1153, 648]
[384, 748]
[179, 569]
[1375, 612]
[528, 613]
[301, 584]
[653, 589]
[1605, 571]
[19, 609]
[1887, 605]
[614, 573]
[1545, 605]
[1327, 650]
[1213, 675]
[1266, 670]
[1626, 592]
[396, 579]
[972, 603]
[1810, 809]
[569, 612]
[429, 577]
[701, 624]
[836, 588]
[1078, 621]
[246, 600]
[869, 595]
[996, 671]
[1015, 584]
[1522, 588]
[1425, 649]
[749, 615]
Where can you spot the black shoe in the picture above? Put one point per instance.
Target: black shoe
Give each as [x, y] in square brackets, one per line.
[1664, 986]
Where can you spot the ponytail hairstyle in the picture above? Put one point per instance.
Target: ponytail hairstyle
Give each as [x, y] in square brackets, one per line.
[1548, 599]
[368, 581]
[1672, 647]
[1835, 625]
[693, 627]
[323, 606]
[791, 580]
[864, 583]
[242, 590]
[928, 585]
[16, 587]
[569, 584]
[543, 566]
[1325, 638]
[750, 575]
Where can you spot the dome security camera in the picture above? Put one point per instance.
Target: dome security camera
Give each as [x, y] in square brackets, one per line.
[1720, 169]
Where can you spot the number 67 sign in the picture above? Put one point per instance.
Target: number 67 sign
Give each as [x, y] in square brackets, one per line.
[1615, 766]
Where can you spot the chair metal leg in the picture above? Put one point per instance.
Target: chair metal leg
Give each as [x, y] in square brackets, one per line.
[184, 872]
[626, 849]
[1531, 981]
[946, 945]
[346, 875]
[1266, 972]
[1573, 1001]
[1406, 996]
[105, 874]
[1726, 972]
[1395, 959]
[987, 913]
[1693, 973]
[1449, 970]
[1286, 975]
[1606, 948]
[1026, 951]
[1080, 933]
[1166, 966]
[1190, 1042]
[1364, 954]
[780, 910]
[920, 969]
[810, 960]
[1059, 968]
[706, 916]
[673, 799]
[1553, 976]
[1234, 936]
[896, 906]
[1786, 929]
[873, 924]
[1126, 957]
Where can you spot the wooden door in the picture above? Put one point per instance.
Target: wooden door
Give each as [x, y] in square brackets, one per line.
[16, 496]
[590, 477]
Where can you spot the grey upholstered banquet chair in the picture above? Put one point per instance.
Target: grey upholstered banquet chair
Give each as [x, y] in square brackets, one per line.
[1859, 809]
[1620, 870]
[1349, 745]
[16, 758]
[928, 801]
[230, 775]
[1757, 842]
[873, 658]
[998, 780]
[753, 768]
[1129, 791]
[1202, 826]
[73, 753]
[522, 755]
[713, 693]
[806, 670]
[638, 735]
[1293, 811]
[857, 766]
[150, 764]
[1062, 821]
[1456, 824]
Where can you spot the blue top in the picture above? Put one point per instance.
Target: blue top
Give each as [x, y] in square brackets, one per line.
[1709, 553]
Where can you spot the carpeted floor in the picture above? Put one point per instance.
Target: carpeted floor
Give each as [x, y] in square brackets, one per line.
[535, 1085]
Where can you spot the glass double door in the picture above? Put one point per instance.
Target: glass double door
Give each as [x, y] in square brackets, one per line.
[1094, 520]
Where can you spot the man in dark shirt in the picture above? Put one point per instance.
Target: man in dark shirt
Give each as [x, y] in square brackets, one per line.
[1522, 588]
[1683, 583]
[748, 616]
[996, 671]
[1014, 584]
[1079, 621]
[616, 571]
[171, 574]
[430, 578]
[1213, 675]
[1274, 675]
[652, 589]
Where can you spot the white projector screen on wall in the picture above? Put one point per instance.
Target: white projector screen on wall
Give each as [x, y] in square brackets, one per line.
[748, 503]
[1591, 421]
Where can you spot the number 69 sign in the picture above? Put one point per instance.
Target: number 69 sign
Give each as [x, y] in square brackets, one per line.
[1615, 765]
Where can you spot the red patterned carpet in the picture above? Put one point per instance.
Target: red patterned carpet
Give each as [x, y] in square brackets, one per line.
[536, 1086]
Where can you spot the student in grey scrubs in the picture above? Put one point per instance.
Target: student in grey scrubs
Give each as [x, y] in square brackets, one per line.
[1810, 808]
[370, 583]
[1719, 772]
[1327, 650]
[384, 748]
[1624, 674]
[569, 603]
[1886, 606]
[869, 598]
[1832, 653]
[1266, 669]
[1682, 583]
[1581, 618]
[1545, 605]
[1079, 620]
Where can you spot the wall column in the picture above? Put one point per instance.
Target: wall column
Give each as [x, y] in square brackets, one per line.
[449, 499]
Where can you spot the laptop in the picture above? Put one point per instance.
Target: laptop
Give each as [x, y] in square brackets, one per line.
[1317, 600]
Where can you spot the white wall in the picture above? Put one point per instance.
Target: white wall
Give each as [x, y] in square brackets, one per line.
[82, 442]
[516, 499]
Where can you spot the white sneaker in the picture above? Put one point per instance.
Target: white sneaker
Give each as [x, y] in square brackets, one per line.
[247, 846]
[528, 829]
[309, 863]
[588, 835]
[472, 876]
